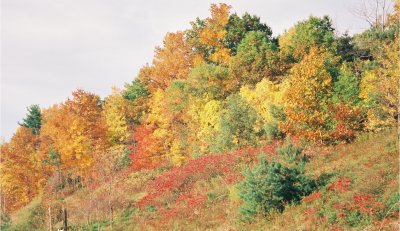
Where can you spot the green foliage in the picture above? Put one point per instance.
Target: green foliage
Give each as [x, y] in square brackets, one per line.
[237, 126]
[209, 81]
[135, 90]
[5, 220]
[238, 27]
[347, 88]
[346, 48]
[34, 219]
[313, 32]
[33, 119]
[272, 131]
[256, 58]
[54, 158]
[270, 186]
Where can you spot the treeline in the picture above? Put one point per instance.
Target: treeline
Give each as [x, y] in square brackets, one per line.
[225, 83]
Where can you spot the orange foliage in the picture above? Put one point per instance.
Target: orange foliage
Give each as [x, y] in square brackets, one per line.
[172, 61]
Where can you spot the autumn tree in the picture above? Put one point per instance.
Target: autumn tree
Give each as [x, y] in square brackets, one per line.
[207, 36]
[266, 99]
[172, 61]
[21, 175]
[380, 89]
[75, 129]
[307, 98]
[115, 116]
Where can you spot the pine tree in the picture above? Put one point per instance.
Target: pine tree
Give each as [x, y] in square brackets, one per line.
[269, 186]
[33, 119]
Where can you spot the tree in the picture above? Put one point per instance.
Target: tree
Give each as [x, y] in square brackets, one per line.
[210, 81]
[313, 32]
[33, 119]
[136, 101]
[347, 88]
[380, 89]
[375, 12]
[76, 130]
[308, 96]
[256, 59]
[237, 126]
[270, 186]
[21, 171]
[266, 99]
[115, 116]
[171, 62]
[207, 36]
[238, 27]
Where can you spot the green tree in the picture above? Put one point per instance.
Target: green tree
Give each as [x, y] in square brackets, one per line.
[238, 27]
[136, 97]
[347, 88]
[210, 81]
[269, 186]
[256, 59]
[313, 32]
[33, 119]
[135, 90]
[237, 125]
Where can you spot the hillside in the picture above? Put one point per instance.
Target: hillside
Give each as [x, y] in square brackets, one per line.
[229, 128]
[359, 190]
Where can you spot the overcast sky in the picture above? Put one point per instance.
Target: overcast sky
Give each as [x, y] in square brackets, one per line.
[51, 47]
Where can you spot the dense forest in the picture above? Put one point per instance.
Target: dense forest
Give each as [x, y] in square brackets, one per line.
[228, 128]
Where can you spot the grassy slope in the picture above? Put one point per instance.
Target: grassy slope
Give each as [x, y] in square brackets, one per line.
[370, 164]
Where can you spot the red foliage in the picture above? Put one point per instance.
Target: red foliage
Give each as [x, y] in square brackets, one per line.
[173, 192]
[144, 154]
[341, 185]
[363, 203]
[313, 196]
[366, 203]
[347, 122]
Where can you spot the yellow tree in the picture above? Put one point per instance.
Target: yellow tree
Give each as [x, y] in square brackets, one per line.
[75, 130]
[265, 98]
[114, 111]
[307, 98]
[380, 89]
[21, 171]
[207, 36]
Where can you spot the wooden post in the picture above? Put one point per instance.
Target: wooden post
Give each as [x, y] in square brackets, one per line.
[65, 223]
[50, 224]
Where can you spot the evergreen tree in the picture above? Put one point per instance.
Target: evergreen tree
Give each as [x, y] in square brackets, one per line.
[33, 119]
[269, 186]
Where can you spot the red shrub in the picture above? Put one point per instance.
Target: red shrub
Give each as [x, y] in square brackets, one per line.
[173, 194]
[366, 203]
[313, 196]
[341, 185]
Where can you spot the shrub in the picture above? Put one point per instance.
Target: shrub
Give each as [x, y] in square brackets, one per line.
[269, 186]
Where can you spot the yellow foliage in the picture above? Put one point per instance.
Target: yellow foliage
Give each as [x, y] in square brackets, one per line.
[306, 99]
[262, 97]
[380, 89]
[114, 110]
[214, 32]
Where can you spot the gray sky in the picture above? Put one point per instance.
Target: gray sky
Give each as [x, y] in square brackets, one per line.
[51, 47]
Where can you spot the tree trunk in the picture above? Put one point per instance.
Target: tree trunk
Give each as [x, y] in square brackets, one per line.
[65, 223]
